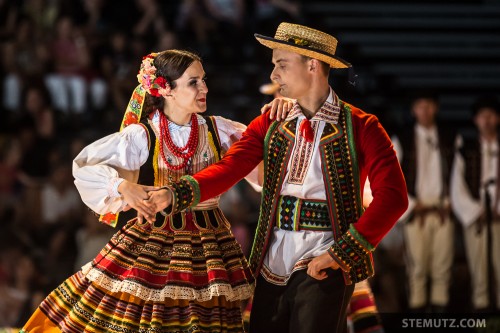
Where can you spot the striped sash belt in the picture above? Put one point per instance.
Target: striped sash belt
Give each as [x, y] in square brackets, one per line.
[296, 214]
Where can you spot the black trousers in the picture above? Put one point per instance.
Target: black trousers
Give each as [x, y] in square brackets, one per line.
[304, 305]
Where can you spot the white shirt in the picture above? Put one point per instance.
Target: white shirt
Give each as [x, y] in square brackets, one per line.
[96, 167]
[291, 250]
[429, 175]
[466, 207]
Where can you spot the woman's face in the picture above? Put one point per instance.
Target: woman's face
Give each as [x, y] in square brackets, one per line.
[190, 94]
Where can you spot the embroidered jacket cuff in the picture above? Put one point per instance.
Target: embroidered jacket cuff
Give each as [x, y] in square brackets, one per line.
[351, 250]
[185, 194]
[341, 264]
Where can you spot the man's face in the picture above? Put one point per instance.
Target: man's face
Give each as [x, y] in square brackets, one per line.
[486, 121]
[424, 110]
[292, 73]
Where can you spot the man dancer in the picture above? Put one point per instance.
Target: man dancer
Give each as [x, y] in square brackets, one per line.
[313, 242]
[426, 153]
[474, 191]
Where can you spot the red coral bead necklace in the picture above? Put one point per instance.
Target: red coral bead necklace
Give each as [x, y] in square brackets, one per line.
[185, 152]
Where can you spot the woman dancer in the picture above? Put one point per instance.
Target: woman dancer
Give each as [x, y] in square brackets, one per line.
[184, 273]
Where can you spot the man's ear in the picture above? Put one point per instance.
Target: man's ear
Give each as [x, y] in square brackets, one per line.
[314, 65]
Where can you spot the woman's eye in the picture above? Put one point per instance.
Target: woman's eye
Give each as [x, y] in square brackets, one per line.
[192, 83]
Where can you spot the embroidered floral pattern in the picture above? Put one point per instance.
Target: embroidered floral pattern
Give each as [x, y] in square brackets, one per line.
[301, 158]
[155, 85]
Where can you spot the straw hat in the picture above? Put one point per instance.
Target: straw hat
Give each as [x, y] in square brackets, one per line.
[306, 41]
[269, 88]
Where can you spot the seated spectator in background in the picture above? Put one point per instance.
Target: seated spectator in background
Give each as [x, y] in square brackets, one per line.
[35, 128]
[119, 69]
[475, 201]
[60, 200]
[10, 158]
[9, 13]
[22, 292]
[67, 83]
[91, 237]
[216, 26]
[167, 41]
[226, 12]
[268, 12]
[233, 204]
[97, 23]
[44, 14]
[34, 165]
[151, 22]
[24, 59]
[60, 210]
[38, 109]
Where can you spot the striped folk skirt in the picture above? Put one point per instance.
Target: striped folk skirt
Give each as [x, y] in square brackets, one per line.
[184, 274]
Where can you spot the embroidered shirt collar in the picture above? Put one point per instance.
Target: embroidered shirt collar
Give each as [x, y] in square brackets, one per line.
[329, 111]
[173, 127]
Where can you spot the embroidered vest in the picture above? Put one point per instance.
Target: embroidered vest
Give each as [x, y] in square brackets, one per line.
[409, 162]
[471, 153]
[341, 179]
[149, 173]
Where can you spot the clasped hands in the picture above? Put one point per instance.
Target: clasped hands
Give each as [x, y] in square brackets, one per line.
[146, 200]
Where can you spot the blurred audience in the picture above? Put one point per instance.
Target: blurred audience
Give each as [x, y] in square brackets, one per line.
[91, 237]
[25, 59]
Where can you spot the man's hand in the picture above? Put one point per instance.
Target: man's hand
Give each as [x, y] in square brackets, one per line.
[157, 201]
[318, 265]
[280, 107]
[136, 196]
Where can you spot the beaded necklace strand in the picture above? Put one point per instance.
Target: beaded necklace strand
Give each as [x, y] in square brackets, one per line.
[185, 152]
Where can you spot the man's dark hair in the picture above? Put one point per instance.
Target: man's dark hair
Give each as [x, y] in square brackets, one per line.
[486, 102]
[424, 94]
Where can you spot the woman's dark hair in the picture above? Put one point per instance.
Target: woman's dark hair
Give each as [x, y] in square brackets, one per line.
[170, 65]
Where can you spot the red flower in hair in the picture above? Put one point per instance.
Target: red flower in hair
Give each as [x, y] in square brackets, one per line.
[154, 92]
[161, 81]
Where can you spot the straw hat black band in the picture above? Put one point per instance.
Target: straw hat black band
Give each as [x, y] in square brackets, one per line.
[305, 41]
[296, 44]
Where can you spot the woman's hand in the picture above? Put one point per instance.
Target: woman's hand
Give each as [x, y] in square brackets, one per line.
[136, 196]
[280, 107]
[157, 200]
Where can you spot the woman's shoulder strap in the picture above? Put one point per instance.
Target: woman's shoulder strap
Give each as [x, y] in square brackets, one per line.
[213, 135]
[146, 173]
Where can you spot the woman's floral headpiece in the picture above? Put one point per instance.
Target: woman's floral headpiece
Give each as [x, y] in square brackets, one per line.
[155, 85]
